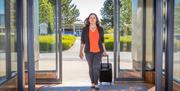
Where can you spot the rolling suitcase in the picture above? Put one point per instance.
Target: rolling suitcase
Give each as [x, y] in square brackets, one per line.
[106, 72]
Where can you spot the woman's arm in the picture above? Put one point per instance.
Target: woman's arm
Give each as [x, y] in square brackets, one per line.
[105, 52]
[104, 48]
[81, 54]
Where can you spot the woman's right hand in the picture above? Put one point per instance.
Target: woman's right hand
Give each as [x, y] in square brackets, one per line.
[81, 54]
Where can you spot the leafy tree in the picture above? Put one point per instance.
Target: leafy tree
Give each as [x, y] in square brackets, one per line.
[69, 12]
[107, 14]
[46, 13]
[125, 15]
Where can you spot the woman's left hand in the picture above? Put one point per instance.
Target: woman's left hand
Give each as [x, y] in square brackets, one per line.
[105, 53]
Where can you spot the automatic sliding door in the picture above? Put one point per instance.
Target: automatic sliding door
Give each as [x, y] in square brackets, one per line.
[46, 40]
[131, 63]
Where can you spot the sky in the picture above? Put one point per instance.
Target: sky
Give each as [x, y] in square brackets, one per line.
[88, 6]
[85, 7]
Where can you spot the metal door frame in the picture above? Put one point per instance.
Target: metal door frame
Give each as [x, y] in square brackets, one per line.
[19, 30]
[30, 31]
[117, 30]
[59, 33]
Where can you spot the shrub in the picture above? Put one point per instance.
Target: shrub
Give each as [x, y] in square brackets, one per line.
[109, 42]
[108, 36]
[109, 45]
[126, 39]
[69, 37]
[47, 43]
[67, 41]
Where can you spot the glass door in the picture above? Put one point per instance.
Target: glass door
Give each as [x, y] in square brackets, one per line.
[130, 41]
[47, 41]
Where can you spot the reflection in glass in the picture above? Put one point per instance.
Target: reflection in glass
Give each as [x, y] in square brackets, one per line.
[176, 64]
[13, 36]
[131, 51]
[45, 36]
[149, 35]
[11, 16]
[2, 42]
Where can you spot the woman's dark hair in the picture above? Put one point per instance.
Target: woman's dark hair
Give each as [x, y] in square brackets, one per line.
[87, 23]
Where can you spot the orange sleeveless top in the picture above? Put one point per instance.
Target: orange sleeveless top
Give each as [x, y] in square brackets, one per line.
[94, 41]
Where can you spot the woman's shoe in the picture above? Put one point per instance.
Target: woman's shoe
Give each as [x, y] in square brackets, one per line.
[93, 85]
[96, 87]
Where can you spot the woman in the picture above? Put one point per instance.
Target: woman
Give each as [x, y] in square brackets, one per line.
[92, 38]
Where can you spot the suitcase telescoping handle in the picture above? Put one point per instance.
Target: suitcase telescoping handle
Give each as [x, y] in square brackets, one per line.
[107, 60]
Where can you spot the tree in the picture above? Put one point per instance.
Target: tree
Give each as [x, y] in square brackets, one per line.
[46, 13]
[107, 14]
[125, 15]
[69, 12]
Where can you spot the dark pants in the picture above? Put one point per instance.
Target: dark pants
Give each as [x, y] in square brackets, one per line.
[94, 60]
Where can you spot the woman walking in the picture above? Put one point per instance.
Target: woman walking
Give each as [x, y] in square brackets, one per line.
[92, 41]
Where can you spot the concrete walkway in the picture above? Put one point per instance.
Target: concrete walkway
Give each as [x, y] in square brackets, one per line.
[75, 70]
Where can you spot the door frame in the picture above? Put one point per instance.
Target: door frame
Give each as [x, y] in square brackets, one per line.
[117, 30]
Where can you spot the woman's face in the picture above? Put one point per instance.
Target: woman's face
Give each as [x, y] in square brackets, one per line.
[92, 19]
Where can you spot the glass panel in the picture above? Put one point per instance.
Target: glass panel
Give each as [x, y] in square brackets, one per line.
[131, 40]
[13, 36]
[2, 42]
[11, 16]
[46, 36]
[149, 35]
[164, 34]
[176, 64]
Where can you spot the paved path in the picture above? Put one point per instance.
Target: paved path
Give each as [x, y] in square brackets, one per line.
[74, 68]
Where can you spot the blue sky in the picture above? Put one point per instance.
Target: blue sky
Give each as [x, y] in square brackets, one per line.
[134, 4]
[177, 1]
[88, 6]
[1, 6]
